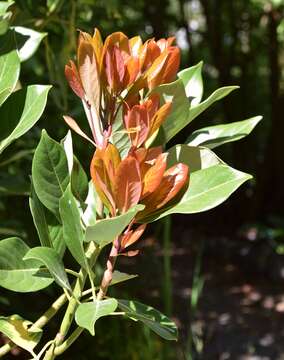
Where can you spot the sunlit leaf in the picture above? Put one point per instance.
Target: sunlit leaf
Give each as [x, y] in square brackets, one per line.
[88, 313]
[52, 261]
[17, 274]
[192, 81]
[19, 331]
[213, 136]
[20, 112]
[150, 317]
[106, 230]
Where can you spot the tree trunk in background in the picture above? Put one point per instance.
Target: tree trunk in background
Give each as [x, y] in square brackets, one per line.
[155, 12]
[271, 189]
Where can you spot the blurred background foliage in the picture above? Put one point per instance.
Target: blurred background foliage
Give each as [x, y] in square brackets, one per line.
[241, 43]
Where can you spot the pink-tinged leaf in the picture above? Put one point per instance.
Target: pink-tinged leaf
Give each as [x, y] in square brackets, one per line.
[137, 124]
[73, 79]
[128, 184]
[159, 117]
[132, 236]
[153, 177]
[101, 180]
[114, 68]
[132, 70]
[149, 53]
[135, 45]
[74, 126]
[165, 43]
[89, 73]
[173, 181]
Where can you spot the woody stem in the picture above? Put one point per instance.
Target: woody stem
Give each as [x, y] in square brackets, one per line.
[107, 277]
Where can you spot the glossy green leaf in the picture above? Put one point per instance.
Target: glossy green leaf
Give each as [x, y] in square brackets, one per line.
[4, 5]
[72, 229]
[38, 214]
[52, 261]
[20, 112]
[118, 277]
[50, 172]
[48, 228]
[195, 157]
[119, 135]
[150, 317]
[88, 313]
[9, 73]
[213, 136]
[207, 189]
[178, 117]
[218, 94]
[28, 41]
[192, 81]
[19, 331]
[17, 274]
[106, 230]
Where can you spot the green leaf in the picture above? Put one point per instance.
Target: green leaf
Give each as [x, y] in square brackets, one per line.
[52, 261]
[50, 172]
[106, 230]
[38, 214]
[213, 136]
[150, 317]
[48, 228]
[207, 189]
[72, 229]
[118, 277]
[4, 5]
[20, 112]
[178, 117]
[17, 274]
[28, 41]
[88, 313]
[9, 73]
[218, 94]
[19, 331]
[119, 136]
[192, 81]
[196, 158]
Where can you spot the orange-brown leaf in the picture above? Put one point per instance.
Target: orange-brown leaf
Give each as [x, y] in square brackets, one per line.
[128, 184]
[73, 79]
[74, 126]
[132, 236]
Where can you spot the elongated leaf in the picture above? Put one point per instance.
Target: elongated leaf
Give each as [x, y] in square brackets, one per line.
[178, 117]
[9, 73]
[192, 81]
[72, 228]
[119, 136]
[52, 261]
[4, 5]
[195, 157]
[39, 218]
[17, 274]
[213, 136]
[118, 277]
[150, 317]
[215, 96]
[106, 230]
[28, 41]
[48, 228]
[50, 172]
[207, 189]
[20, 112]
[88, 313]
[18, 331]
